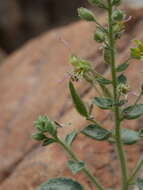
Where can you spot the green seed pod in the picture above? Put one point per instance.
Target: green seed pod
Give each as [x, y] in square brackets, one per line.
[99, 36]
[118, 15]
[38, 136]
[86, 14]
[94, 2]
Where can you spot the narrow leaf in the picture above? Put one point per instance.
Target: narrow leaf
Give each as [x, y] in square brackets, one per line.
[133, 112]
[70, 137]
[129, 136]
[103, 81]
[61, 184]
[103, 103]
[48, 141]
[96, 132]
[75, 167]
[122, 79]
[122, 67]
[79, 105]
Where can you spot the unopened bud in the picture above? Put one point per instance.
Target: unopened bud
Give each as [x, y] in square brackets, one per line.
[118, 15]
[86, 14]
[38, 136]
[99, 36]
[44, 124]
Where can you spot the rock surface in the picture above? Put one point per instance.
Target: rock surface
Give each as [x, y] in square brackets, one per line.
[32, 84]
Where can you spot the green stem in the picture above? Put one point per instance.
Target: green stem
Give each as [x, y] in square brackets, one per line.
[85, 169]
[136, 170]
[119, 145]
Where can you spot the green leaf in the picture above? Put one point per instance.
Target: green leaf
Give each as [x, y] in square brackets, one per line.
[79, 105]
[103, 103]
[122, 67]
[129, 136]
[133, 112]
[96, 132]
[71, 137]
[61, 184]
[75, 167]
[122, 79]
[48, 141]
[103, 81]
[139, 182]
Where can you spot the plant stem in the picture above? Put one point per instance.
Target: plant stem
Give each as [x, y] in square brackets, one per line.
[119, 145]
[136, 170]
[85, 169]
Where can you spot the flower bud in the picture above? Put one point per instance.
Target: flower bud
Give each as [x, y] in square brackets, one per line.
[118, 15]
[44, 124]
[123, 89]
[86, 14]
[81, 66]
[137, 52]
[38, 136]
[99, 36]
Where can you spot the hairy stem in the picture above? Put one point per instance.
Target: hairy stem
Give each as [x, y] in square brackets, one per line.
[85, 169]
[119, 145]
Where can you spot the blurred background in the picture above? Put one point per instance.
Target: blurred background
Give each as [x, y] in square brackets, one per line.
[21, 20]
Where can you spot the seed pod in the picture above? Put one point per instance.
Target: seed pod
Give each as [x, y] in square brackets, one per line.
[86, 14]
[99, 36]
[118, 15]
[38, 136]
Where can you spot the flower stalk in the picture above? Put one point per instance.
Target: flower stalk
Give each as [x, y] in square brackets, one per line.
[119, 144]
[85, 170]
